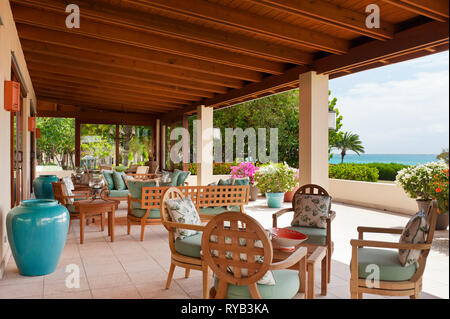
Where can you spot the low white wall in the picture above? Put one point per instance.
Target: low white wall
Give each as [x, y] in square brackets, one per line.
[59, 174]
[382, 196]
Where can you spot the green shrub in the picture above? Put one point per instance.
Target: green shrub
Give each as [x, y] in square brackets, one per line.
[218, 168]
[356, 172]
[387, 171]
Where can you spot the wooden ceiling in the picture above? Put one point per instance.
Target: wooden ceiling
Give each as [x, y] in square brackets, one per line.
[163, 58]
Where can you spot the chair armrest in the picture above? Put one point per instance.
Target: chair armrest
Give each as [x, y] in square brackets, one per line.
[291, 260]
[363, 229]
[332, 215]
[171, 225]
[385, 244]
[318, 255]
[85, 193]
[278, 214]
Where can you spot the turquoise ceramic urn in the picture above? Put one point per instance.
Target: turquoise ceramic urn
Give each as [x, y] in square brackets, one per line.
[42, 186]
[37, 231]
[275, 200]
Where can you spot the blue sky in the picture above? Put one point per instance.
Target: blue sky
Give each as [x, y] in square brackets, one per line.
[398, 109]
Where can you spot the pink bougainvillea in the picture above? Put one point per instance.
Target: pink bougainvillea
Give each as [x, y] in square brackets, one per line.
[245, 169]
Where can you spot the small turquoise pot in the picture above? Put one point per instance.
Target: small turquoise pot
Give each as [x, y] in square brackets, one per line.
[37, 231]
[42, 186]
[275, 200]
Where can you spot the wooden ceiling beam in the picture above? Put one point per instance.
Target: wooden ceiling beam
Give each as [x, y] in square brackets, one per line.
[105, 61]
[179, 30]
[123, 76]
[114, 33]
[245, 21]
[404, 42]
[330, 14]
[435, 9]
[97, 97]
[61, 87]
[134, 86]
[93, 106]
[70, 82]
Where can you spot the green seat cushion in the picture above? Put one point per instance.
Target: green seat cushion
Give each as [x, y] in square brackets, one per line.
[135, 190]
[109, 179]
[190, 246]
[223, 182]
[116, 193]
[119, 183]
[286, 287]
[217, 210]
[388, 263]
[182, 177]
[316, 236]
[139, 213]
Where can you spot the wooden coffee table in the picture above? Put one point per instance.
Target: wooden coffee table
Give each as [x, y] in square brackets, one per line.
[88, 208]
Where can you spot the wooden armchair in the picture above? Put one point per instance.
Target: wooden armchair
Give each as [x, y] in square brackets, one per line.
[60, 194]
[387, 262]
[185, 253]
[315, 236]
[233, 227]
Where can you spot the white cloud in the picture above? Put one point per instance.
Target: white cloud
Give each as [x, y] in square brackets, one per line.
[409, 115]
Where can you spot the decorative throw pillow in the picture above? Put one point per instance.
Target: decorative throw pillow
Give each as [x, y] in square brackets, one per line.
[267, 279]
[127, 178]
[135, 190]
[223, 182]
[119, 184]
[212, 184]
[311, 210]
[183, 175]
[241, 181]
[182, 210]
[68, 187]
[415, 232]
[170, 178]
[109, 179]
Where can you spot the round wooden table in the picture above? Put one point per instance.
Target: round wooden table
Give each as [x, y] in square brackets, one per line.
[94, 207]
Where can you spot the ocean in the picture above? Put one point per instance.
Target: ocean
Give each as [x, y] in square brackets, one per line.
[408, 159]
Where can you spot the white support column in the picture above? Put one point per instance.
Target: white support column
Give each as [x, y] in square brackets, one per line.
[313, 129]
[205, 141]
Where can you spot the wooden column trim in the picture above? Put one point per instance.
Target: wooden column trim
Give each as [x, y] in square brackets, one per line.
[77, 142]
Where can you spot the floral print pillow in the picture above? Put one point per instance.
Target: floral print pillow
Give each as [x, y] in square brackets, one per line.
[267, 279]
[415, 232]
[182, 210]
[311, 210]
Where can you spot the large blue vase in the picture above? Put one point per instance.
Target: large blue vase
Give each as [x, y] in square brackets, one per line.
[42, 186]
[275, 200]
[37, 231]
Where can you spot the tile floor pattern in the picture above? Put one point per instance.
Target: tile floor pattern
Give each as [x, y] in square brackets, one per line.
[129, 268]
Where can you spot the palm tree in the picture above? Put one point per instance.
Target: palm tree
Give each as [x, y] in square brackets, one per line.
[349, 142]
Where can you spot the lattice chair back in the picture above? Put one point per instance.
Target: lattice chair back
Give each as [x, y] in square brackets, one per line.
[59, 192]
[226, 238]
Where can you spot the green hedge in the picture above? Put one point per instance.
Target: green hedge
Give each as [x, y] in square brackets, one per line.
[356, 172]
[387, 171]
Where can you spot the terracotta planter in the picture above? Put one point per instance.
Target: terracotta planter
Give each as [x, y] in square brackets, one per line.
[288, 196]
[442, 221]
[254, 191]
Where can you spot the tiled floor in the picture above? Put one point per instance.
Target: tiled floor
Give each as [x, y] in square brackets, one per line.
[129, 268]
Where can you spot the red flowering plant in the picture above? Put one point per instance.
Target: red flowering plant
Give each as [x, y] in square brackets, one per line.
[440, 190]
[244, 169]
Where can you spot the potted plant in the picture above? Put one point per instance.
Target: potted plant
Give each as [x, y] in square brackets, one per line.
[417, 181]
[274, 180]
[440, 193]
[247, 169]
[290, 193]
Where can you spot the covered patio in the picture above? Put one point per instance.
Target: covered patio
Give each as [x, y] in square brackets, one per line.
[155, 63]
